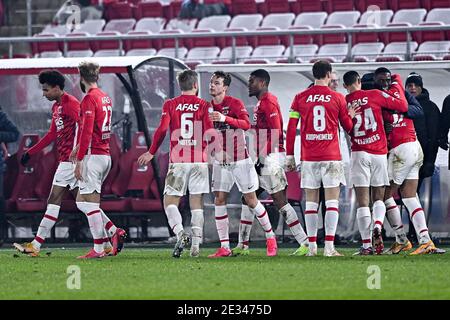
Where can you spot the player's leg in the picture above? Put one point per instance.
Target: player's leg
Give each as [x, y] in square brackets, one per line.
[289, 214]
[379, 212]
[311, 218]
[364, 219]
[222, 182]
[331, 219]
[198, 183]
[47, 222]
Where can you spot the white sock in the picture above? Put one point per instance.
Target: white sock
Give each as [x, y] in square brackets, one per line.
[222, 225]
[293, 223]
[364, 221]
[197, 221]
[245, 226]
[418, 219]
[46, 225]
[311, 222]
[108, 225]
[94, 216]
[263, 218]
[395, 220]
[331, 221]
[174, 218]
[379, 212]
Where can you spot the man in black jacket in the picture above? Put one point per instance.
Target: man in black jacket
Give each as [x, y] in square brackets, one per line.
[429, 128]
[8, 133]
[445, 126]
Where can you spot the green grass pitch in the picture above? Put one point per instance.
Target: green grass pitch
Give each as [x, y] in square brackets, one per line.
[154, 274]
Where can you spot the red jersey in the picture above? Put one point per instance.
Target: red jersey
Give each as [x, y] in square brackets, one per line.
[368, 132]
[403, 130]
[63, 128]
[187, 116]
[236, 117]
[95, 131]
[321, 110]
[268, 124]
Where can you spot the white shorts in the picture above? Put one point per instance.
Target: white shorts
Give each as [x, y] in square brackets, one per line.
[183, 176]
[95, 170]
[272, 177]
[330, 173]
[404, 162]
[65, 176]
[369, 170]
[241, 172]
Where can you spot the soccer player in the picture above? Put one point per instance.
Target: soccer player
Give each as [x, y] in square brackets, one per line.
[187, 116]
[404, 161]
[231, 118]
[321, 111]
[63, 130]
[369, 157]
[93, 160]
[272, 178]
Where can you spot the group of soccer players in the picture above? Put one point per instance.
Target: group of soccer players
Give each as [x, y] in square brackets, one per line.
[383, 162]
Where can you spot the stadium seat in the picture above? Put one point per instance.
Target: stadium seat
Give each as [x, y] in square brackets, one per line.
[141, 52]
[78, 45]
[301, 52]
[105, 44]
[423, 36]
[223, 42]
[332, 38]
[91, 26]
[216, 23]
[364, 36]
[339, 5]
[412, 16]
[257, 61]
[447, 57]
[46, 46]
[79, 53]
[274, 6]
[138, 43]
[294, 193]
[268, 53]
[363, 5]
[201, 42]
[440, 15]
[247, 21]
[365, 52]
[432, 4]
[395, 51]
[243, 52]
[379, 18]
[109, 53]
[333, 52]
[265, 40]
[171, 52]
[396, 5]
[168, 42]
[300, 6]
[274, 21]
[345, 18]
[153, 25]
[389, 37]
[312, 19]
[299, 39]
[202, 54]
[119, 10]
[243, 7]
[432, 50]
[51, 54]
[121, 25]
[181, 24]
[60, 30]
[152, 8]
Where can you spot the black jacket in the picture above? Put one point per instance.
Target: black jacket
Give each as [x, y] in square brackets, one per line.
[445, 126]
[429, 133]
[8, 133]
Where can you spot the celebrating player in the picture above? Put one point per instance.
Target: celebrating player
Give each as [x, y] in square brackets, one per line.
[188, 119]
[369, 157]
[321, 111]
[93, 160]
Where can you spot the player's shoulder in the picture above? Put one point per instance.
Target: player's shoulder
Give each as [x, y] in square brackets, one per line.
[269, 100]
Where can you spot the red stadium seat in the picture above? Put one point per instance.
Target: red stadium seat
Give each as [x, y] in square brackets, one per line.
[274, 6]
[39, 47]
[106, 44]
[300, 6]
[404, 4]
[389, 37]
[339, 5]
[119, 10]
[332, 37]
[431, 4]
[362, 5]
[364, 36]
[115, 149]
[138, 43]
[243, 7]
[201, 42]
[423, 36]
[168, 43]
[173, 9]
[78, 45]
[149, 9]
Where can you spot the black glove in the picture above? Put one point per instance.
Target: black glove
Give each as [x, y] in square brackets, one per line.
[427, 170]
[443, 143]
[25, 158]
[388, 127]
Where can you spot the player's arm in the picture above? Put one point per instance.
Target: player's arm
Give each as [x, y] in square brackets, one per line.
[48, 138]
[85, 135]
[291, 135]
[272, 116]
[390, 102]
[346, 115]
[415, 110]
[242, 121]
[158, 136]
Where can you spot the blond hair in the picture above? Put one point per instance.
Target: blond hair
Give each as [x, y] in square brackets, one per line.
[89, 71]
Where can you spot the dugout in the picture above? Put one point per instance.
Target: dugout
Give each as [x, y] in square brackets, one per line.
[289, 79]
[138, 87]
